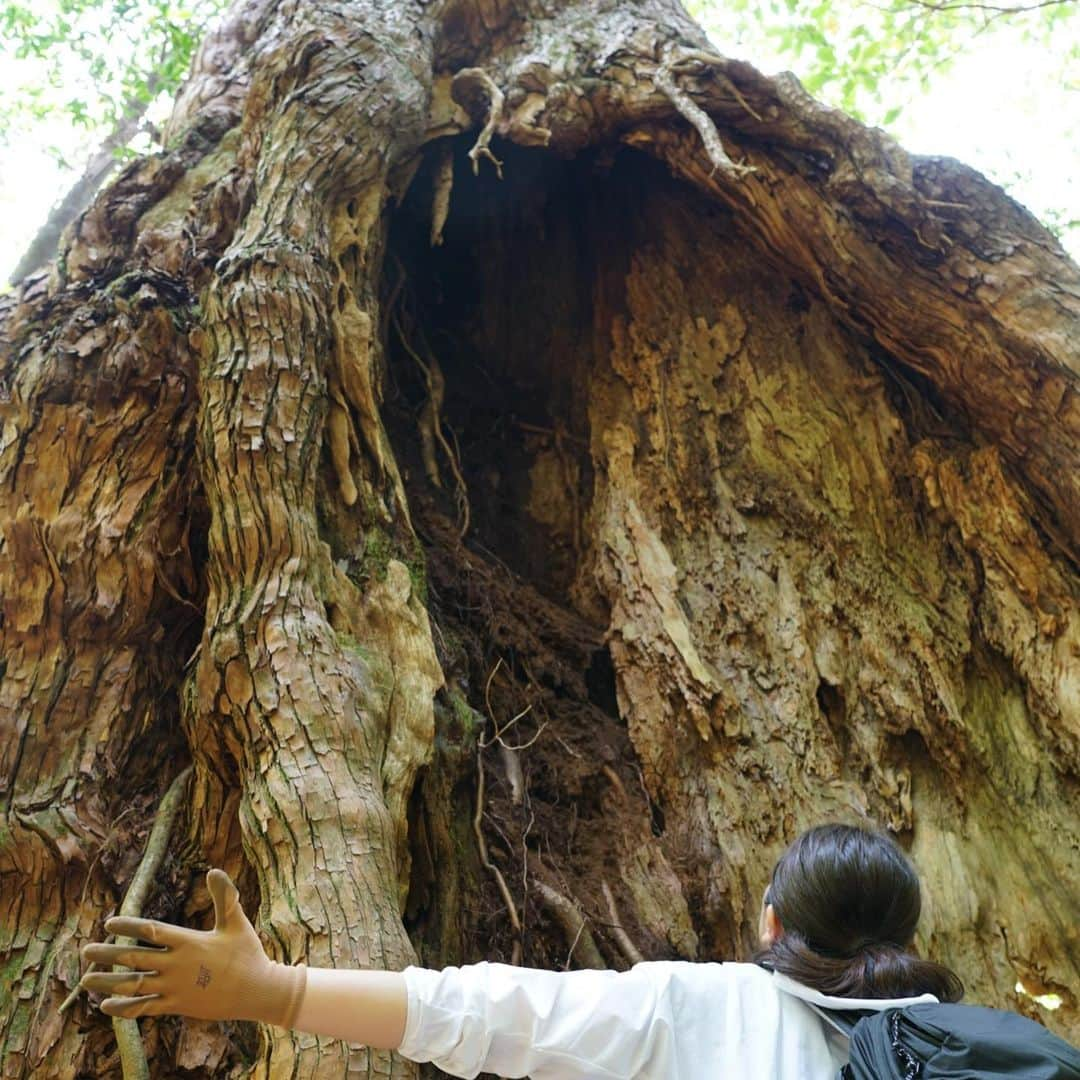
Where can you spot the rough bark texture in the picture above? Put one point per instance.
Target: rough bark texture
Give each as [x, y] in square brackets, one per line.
[714, 474]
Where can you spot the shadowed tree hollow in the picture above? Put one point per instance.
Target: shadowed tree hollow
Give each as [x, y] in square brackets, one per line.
[528, 467]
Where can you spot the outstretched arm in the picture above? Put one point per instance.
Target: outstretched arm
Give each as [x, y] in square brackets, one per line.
[581, 1025]
[224, 974]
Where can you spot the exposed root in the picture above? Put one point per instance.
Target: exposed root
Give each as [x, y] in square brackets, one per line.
[622, 938]
[713, 64]
[508, 754]
[574, 925]
[444, 183]
[461, 492]
[522, 127]
[697, 116]
[467, 86]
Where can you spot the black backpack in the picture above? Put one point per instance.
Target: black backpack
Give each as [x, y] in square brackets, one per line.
[951, 1042]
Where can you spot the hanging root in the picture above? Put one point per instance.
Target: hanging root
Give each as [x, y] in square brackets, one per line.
[665, 80]
[485, 861]
[444, 183]
[338, 430]
[568, 915]
[468, 85]
[622, 938]
[431, 424]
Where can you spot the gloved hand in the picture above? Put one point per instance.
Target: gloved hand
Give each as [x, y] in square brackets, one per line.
[219, 974]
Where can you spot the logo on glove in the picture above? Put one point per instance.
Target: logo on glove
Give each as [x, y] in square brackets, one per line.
[204, 977]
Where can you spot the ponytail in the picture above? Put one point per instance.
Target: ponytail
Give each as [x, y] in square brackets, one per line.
[848, 901]
[877, 970]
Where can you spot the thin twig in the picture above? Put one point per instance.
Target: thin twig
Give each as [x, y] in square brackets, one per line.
[998, 9]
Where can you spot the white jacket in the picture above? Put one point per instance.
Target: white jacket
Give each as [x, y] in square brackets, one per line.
[666, 1020]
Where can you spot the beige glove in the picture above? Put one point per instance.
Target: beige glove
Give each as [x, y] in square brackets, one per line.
[219, 974]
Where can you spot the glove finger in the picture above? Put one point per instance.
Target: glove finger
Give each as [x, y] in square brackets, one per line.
[133, 1007]
[226, 898]
[120, 982]
[134, 956]
[158, 933]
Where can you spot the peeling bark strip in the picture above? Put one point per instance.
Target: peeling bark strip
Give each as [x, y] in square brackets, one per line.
[765, 435]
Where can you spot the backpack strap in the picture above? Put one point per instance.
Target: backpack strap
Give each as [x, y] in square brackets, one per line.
[842, 1020]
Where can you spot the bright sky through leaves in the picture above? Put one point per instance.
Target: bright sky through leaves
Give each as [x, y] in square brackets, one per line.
[1001, 93]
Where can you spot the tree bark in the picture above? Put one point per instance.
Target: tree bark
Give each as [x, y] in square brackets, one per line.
[714, 476]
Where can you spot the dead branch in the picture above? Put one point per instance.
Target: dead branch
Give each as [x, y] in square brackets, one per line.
[622, 938]
[567, 914]
[128, 1041]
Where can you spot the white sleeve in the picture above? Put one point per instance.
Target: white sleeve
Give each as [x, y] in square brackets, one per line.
[574, 1025]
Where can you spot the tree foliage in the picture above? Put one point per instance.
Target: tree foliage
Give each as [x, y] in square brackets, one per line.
[101, 63]
[95, 62]
[871, 59]
[875, 58]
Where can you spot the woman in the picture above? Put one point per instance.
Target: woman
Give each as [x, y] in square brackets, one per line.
[837, 923]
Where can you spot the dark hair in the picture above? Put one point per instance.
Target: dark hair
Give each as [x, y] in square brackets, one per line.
[848, 901]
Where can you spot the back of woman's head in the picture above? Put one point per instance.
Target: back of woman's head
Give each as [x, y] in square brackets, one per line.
[848, 901]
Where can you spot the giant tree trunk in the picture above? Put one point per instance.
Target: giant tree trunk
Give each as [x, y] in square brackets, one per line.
[522, 562]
